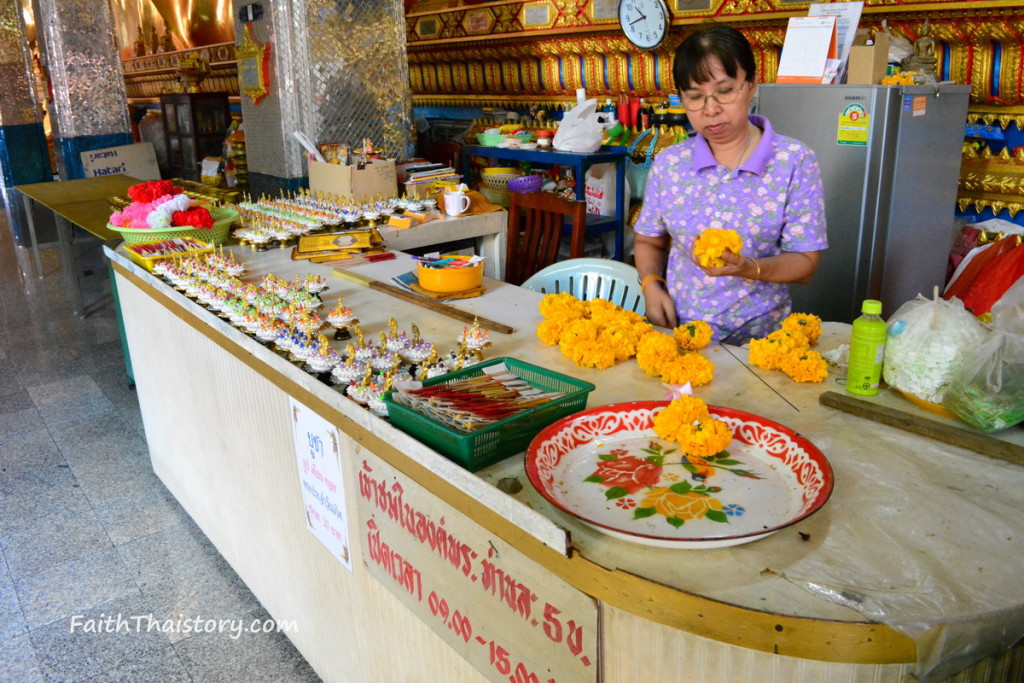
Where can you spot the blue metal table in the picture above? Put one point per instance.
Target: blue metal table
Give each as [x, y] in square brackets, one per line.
[579, 162]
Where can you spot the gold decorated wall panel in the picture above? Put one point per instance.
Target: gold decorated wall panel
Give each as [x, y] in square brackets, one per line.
[524, 52]
[578, 44]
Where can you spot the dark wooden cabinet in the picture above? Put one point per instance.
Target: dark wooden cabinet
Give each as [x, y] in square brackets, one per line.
[195, 125]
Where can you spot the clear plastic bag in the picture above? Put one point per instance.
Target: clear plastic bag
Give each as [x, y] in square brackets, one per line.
[899, 47]
[987, 391]
[927, 341]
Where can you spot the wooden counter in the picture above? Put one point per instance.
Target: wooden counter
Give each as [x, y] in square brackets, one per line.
[215, 404]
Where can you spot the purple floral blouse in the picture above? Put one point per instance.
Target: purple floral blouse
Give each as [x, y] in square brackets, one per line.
[774, 201]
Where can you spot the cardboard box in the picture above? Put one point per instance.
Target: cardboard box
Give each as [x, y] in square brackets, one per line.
[375, 179]
[867, 63]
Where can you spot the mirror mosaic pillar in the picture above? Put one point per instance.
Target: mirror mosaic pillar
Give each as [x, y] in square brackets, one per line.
[338, 73]
[90, 107]
[23, 154]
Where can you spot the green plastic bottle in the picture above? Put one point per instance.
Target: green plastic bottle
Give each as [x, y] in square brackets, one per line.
[867, 346]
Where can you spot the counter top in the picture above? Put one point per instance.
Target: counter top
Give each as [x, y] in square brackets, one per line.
[911, 527]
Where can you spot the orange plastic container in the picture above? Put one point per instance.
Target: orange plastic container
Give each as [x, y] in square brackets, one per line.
[451, 279]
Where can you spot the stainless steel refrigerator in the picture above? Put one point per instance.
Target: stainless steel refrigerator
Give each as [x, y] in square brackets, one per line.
[890, 162]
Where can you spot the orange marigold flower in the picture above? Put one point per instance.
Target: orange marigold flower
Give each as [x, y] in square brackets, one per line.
[807, 366]
[766, 353]
[684, 506]
[706, 438]
[593, 354]
[549, 331]
[689, 367]
[712, 243]
[790, 341]
[807, 324]
[678, 415]
[654, 350]
[693, 335]
[562, 305]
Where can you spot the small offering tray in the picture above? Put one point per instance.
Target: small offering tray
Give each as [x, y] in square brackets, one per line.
[487, 445]
[146, 254]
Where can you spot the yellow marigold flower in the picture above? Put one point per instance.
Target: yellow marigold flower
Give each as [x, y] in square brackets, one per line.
[807, 366]
[602, 307]
[706, 438]
[807, 324]
[693, 335]
[689, 367]
[580, 329]
[622, 342]
[562, 305]
[549, 331]
[684, 506]
[679, 415]
[790, 341]
[766, 353]
[592, 354]
[712, 243]
[654, 350]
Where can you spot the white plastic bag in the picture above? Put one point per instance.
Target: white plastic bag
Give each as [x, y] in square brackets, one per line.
[927, 341]
[988, 389]
[601, 191]
[580, 129]
[899, 47]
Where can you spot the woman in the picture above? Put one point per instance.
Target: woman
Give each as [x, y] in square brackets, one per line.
[738, 174]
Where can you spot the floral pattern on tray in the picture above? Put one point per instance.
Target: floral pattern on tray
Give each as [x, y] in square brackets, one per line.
[646, 485]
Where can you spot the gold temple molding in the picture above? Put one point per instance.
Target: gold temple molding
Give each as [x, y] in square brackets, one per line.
[148, 77]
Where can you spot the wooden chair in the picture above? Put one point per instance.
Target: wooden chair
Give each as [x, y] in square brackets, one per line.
[535, 221]
[444, 152]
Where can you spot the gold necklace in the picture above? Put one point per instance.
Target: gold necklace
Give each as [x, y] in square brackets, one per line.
[739, 158]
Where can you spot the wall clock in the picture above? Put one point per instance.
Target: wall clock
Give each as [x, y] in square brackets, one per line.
[645, 22]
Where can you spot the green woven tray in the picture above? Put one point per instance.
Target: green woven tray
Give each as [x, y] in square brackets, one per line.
[476, 450]
[223, 218]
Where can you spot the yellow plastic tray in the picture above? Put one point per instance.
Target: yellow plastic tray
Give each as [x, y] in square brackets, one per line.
[148, 262]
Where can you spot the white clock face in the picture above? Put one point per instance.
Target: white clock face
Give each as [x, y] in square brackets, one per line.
[645, 22]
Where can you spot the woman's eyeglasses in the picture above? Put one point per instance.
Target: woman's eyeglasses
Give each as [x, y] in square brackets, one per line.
[694, 102]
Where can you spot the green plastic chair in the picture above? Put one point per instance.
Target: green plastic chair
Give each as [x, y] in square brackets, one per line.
[591, 278]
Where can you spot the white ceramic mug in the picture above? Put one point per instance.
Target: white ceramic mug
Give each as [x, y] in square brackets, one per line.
[456, 203]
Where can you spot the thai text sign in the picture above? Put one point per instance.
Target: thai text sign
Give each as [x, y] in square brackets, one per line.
[508, 616]
[320, 479]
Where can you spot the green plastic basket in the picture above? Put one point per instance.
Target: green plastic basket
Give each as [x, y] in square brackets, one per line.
[476, 450]
[222, 217]
[495, 139]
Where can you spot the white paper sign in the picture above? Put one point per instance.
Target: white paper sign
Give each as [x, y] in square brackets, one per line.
[318, 452]
[810, 43]
[137, 161]
[847, 16]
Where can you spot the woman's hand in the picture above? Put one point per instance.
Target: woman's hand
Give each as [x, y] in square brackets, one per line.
[735, 264]
[788, 267]
[660, 309]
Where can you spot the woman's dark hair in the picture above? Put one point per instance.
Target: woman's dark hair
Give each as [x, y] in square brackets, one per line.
[695, 56]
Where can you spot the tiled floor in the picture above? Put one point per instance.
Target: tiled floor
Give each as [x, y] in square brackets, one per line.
[87, 531]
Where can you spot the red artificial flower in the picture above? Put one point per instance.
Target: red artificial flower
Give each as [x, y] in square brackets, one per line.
[196, 217]
[631, 473]
[152, 190]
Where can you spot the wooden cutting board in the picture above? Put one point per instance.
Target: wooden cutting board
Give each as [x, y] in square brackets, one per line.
[946, 433]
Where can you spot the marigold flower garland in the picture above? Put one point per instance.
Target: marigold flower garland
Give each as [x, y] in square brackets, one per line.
[658, 355]
[789, 349]
[598, 334]
[687, 421]
[712, 243]
[593, 334]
